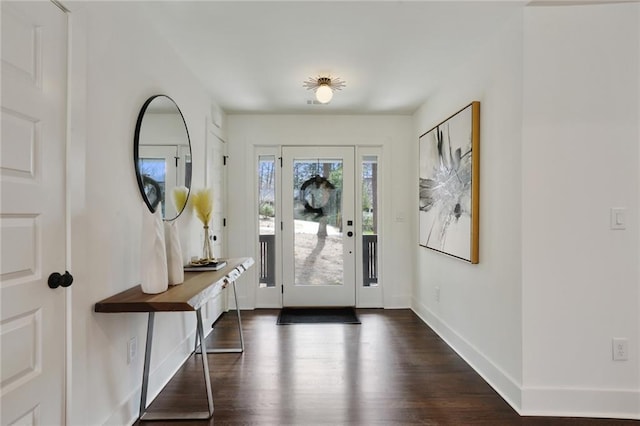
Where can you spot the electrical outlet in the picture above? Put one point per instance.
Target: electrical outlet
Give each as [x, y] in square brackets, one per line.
[132, 350]
[618, 218]
[620, 349]
[437, 294]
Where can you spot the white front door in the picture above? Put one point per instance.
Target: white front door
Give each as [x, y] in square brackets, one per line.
[318, 240]
[32, 179]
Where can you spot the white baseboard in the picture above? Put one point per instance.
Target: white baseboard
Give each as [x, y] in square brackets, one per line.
[575, 402]
[538, 401]
[267, 306]
[500, 381]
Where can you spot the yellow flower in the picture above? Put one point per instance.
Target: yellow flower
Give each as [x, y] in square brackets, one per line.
[203, 204]
[180, 194]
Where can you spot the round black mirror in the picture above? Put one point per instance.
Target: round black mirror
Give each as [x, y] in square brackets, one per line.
[162, 156]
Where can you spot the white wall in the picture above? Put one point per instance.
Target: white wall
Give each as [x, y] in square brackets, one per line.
[392, 133]
[560, 137]
[118, 62]
[580, 158]
[162, 129]
[479, 312]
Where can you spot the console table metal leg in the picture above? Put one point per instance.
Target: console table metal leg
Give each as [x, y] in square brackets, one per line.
[241, 348]
[205, 362]
[235, 295]
[147, 362]
[144, 415]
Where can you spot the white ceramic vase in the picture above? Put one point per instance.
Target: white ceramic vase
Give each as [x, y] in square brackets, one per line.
[186, 230]
[153, 253]
[174, 253]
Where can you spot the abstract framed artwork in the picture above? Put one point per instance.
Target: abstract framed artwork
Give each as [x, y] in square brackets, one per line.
[449, 185]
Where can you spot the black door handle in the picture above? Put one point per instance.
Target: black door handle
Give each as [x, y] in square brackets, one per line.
[350, 234]
[60, 280]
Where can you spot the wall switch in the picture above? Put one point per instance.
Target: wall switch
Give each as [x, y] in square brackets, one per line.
[618, 218]
[437, 292]
[620, 349]
[132, 350]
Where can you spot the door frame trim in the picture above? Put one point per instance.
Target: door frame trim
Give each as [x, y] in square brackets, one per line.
[366, 297]
[68, 355]
[370, 297]
[268, 297]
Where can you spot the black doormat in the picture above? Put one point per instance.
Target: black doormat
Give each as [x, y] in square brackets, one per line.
[317, 316]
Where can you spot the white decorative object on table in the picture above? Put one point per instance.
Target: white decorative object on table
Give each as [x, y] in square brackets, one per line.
[174, 253]
[153, 253]
[184, 204]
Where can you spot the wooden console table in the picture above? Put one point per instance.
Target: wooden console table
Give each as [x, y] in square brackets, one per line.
[196, 290]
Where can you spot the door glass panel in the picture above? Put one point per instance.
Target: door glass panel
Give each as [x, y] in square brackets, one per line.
[267, 219]
[156, 169]
[317, 214]
[185, 153]
[370, 220]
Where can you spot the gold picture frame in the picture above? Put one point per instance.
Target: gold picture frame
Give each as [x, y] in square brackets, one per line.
[449, 185]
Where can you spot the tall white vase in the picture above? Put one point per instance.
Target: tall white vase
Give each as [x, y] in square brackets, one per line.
[174, 253]
[153, 253]
[185, 225]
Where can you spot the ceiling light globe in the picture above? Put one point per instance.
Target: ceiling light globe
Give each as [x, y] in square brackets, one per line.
[324, 94]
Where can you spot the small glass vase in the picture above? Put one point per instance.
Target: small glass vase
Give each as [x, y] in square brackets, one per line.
[207, 252]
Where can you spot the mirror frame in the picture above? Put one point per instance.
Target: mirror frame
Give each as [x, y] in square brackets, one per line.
[136, 154]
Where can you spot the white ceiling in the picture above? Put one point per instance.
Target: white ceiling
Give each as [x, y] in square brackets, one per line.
[254, 56]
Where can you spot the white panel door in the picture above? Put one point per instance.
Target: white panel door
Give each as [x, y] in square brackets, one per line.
[32, 213]
[216, 178]
[318, 235]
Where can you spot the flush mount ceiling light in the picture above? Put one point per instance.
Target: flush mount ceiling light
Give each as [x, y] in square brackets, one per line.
[324, 87]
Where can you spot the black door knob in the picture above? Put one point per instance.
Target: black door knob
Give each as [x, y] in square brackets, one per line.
[349, 234]
[60, 280]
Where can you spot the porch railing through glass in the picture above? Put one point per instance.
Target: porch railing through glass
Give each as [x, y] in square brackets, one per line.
[267, 217]
[369, 182]
[370, 260]
[267, 261]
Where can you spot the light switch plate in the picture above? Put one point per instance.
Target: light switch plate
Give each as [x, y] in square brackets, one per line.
[618, 218]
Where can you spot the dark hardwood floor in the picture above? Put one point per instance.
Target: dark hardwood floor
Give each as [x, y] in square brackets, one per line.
[390, 370]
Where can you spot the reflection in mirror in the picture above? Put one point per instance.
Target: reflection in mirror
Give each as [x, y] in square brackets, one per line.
[162, 154]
